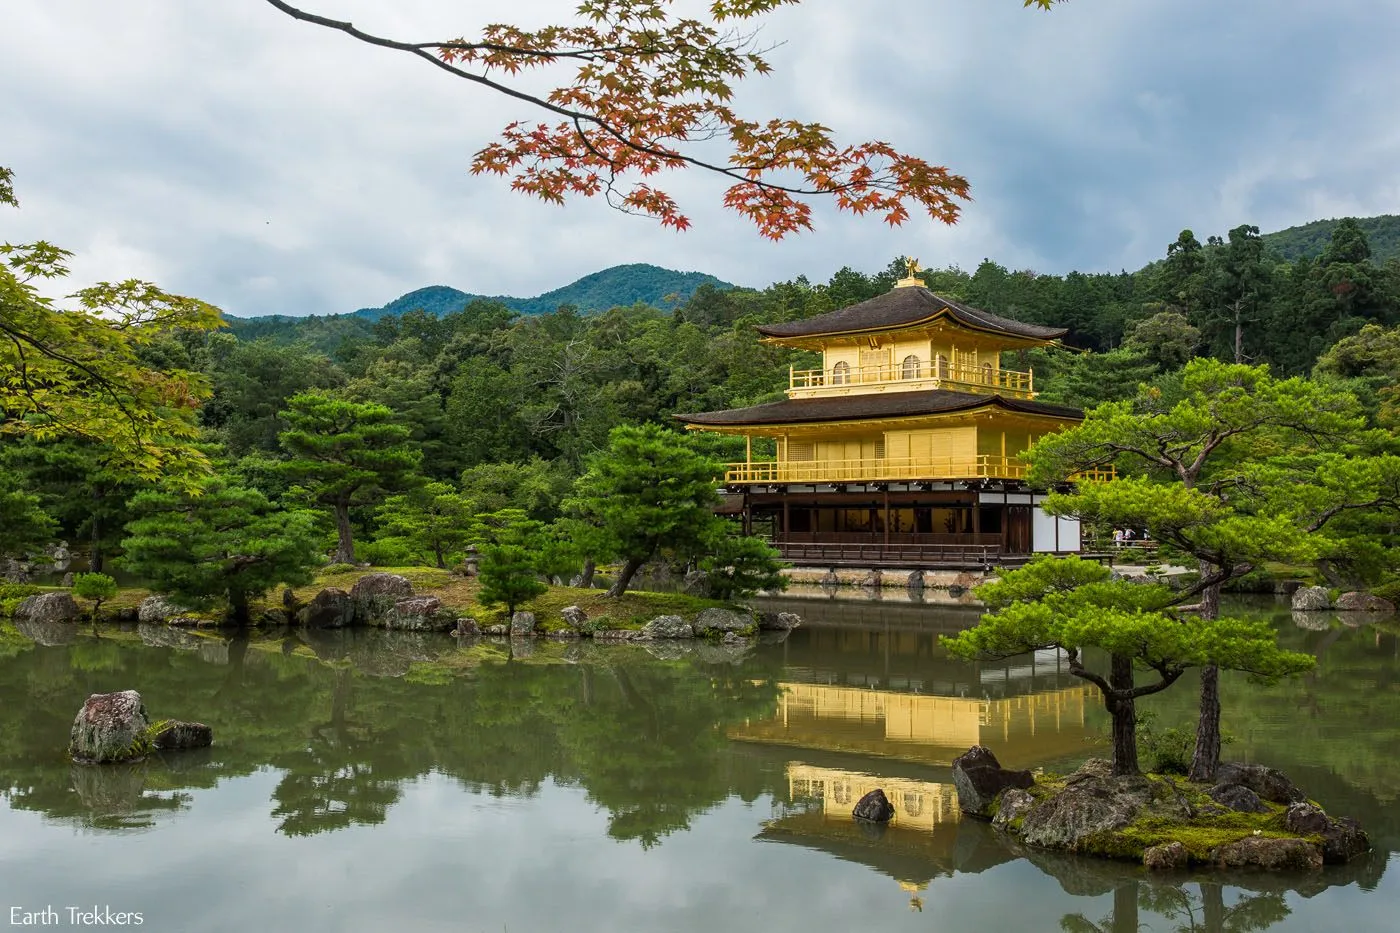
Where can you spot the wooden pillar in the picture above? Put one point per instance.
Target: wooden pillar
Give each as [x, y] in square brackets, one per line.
[887, 516]
[787, 523]
[748, 513]
[976, 513]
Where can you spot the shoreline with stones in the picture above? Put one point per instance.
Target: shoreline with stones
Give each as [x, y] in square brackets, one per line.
[390, 601]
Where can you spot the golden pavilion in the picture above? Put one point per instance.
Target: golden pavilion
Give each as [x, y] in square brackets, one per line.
[903, 449]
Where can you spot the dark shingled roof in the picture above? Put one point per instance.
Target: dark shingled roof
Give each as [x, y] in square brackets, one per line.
[874, 405]
[900, 307]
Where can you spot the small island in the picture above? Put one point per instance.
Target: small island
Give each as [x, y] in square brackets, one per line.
[1252, 817]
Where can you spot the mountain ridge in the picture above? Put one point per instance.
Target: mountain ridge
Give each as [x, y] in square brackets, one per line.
[607, 288]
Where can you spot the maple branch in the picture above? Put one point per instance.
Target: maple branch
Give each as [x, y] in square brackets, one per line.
[619, 116]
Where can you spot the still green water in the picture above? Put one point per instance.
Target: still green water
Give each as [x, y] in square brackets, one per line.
[357, 785]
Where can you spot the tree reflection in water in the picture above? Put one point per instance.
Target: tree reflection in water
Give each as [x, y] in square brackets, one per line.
[1203, 910]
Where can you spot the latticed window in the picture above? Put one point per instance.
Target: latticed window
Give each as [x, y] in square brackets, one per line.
[940, 367]
[841, 373]
[987, 374]
[911, 367]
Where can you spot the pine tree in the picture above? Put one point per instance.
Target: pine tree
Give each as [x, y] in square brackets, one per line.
[226, 541]
[648, 490]
[345, 454]
[508, 576]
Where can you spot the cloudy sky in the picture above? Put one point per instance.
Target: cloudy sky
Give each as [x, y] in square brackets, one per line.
[228, 152]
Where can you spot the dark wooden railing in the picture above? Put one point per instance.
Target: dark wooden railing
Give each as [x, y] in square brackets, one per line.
[879, 554]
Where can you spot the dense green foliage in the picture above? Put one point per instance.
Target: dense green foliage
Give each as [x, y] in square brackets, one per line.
[85, 371]
[226, 542]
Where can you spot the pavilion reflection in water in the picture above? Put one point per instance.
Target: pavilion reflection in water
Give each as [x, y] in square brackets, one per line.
[933, 730]
[904, 744]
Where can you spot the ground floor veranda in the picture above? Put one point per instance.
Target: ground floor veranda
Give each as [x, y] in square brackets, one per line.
[906, 525]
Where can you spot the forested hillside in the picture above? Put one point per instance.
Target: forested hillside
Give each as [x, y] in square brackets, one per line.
[1309, 240]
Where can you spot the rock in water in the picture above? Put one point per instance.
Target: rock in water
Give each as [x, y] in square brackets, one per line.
[1342, 839]
[1269, 853]
[779, 621]
[1237, 797]
[176, 735]
[1363, 602]
[667, 627]
[874, 806]
[331, 608]
[48, 608]
[979, 778]
[1269, 783]
[722, 620]
[1312, 598]
[1083, 810]
[1171, 856]
[110, 727]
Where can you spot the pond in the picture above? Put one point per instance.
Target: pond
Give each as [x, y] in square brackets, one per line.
[358, 784]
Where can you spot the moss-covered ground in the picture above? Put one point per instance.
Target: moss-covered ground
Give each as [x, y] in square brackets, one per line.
[1160, 821]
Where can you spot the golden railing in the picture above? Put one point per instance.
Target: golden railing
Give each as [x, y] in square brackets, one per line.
[940, 373]
[875, 469]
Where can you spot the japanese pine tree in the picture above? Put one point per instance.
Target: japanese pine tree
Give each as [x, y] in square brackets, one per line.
[345, 454]
[225, 541]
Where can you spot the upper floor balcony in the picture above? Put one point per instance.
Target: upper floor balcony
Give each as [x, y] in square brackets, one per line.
[887, 469]
[911, 375]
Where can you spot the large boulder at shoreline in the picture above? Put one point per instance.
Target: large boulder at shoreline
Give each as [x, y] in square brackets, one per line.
[667, 627]
[575, 617]
[110, 727]
[1171, 856]
[1311, 599]
[778, 621]
[419, 614]
[1269, 783]
[522, 623]
[46, 608]
[874, 806]
[1342, 839]
[1237, 797]
[1085, 809]
[979, 778]
[331, 608]
[375, 594]
[1270, 853]
[178, 736]
[722, 620]
[162, 610]
[1363, 602]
